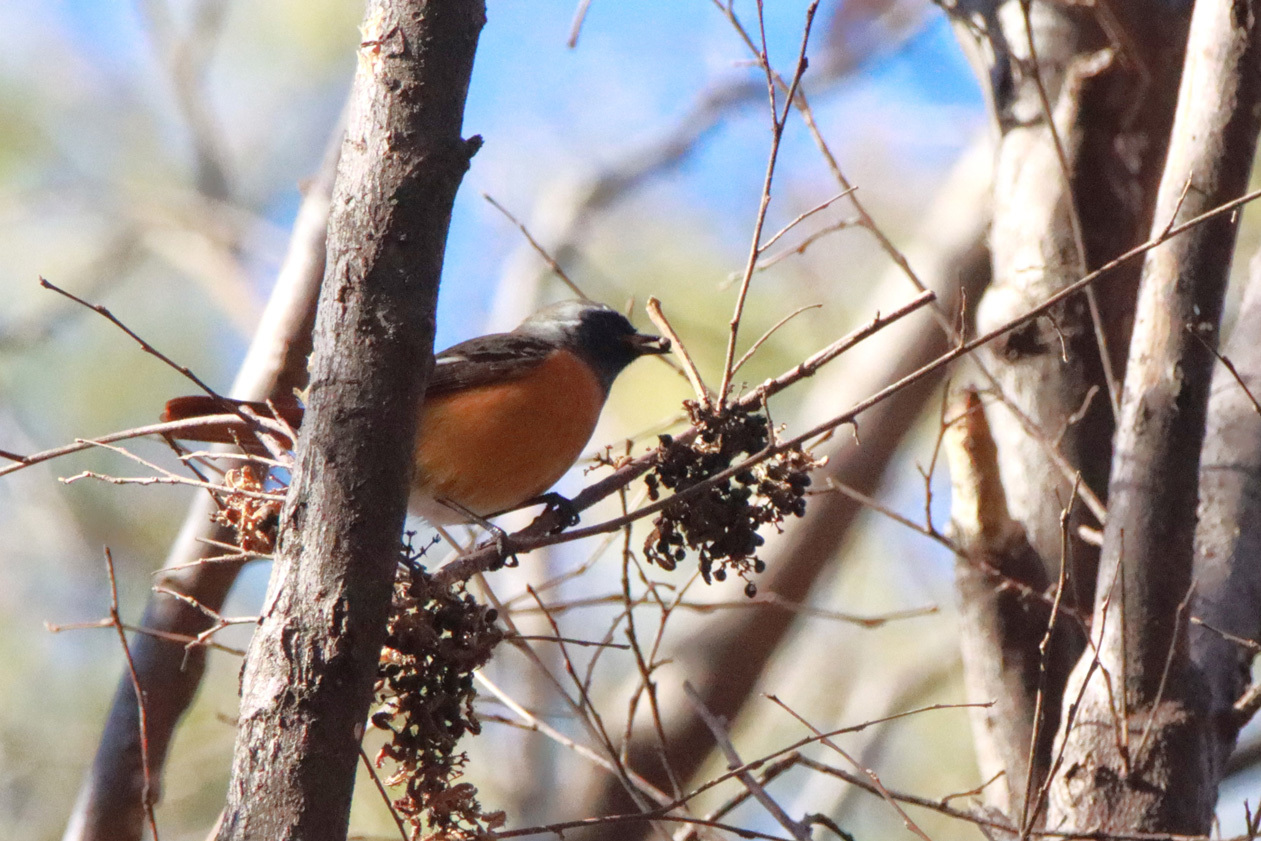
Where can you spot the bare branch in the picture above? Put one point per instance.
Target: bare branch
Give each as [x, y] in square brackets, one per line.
[736, 647]
[542, 252]
[676, 346]
[795, 828]
[779, 121]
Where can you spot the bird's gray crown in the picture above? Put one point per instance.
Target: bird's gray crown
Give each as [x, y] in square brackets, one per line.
[599, 334]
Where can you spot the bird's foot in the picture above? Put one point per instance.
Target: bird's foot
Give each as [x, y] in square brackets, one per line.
[562, 508]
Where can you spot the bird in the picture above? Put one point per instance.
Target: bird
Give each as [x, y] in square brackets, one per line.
[504, 415]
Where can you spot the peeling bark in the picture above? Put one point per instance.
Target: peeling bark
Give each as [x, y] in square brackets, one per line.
[1083, 97]
[1004, 617]
[1077, 164]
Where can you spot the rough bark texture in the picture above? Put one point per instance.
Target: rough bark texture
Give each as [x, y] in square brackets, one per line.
[725, 661]
[1228, 534]
[110, 805]
[1136, 755]
[307, 682]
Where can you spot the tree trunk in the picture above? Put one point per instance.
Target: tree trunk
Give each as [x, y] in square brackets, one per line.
[1083, 99]
[1136, 752]
[308, 679]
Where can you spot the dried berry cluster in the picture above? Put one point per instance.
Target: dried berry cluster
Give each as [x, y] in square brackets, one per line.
[254, 518]
[437, 638]
[721, 522]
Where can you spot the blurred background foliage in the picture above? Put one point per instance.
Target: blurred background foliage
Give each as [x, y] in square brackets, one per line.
[151, 159]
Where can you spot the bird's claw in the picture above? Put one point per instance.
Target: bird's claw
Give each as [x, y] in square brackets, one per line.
[564, 509]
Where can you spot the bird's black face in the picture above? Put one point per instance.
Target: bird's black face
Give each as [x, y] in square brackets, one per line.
[602, 336]
[607, 340]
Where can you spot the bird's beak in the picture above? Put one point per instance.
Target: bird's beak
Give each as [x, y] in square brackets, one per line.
[645, 345]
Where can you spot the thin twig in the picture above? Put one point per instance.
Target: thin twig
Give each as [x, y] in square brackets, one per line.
[581, 708]
[779, 121]
[801, 217]
[653, 306]
[1179, 628]
[536, 724]
[558, 829]
[146, 792]
[775, 600]
[267, 496]
[571, 641]
[884, 510]
[1027, 818]
[173, 428]
[768, 775]
[542, 252]
[875, 779]
[1230, 366]
[858, 781]
[719, 731]
[973, 792]
[1251, 646]
[144, 345]
[1247, 705]
[575, 28]
[168, 636]
[803, 246]
[385, 795]
[748, 354]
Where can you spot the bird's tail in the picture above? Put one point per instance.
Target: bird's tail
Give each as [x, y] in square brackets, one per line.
[226, 429]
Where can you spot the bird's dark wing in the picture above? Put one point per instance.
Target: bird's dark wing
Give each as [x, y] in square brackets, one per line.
[499, 357]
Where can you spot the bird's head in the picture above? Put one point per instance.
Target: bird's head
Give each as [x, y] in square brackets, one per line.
[601, 335]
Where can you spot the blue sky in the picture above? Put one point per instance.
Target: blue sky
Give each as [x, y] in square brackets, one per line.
[544, 110]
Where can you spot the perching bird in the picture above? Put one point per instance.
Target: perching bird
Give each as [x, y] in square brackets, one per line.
[504, 415]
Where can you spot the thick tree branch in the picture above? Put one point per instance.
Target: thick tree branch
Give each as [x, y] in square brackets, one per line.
[1077, 164]
[1139, 734]
[308, 679]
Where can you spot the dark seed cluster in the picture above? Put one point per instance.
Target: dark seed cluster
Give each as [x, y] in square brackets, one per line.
[721, 522]
[437, 638]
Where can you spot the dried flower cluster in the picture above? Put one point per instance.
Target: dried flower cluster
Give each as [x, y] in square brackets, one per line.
[721, 522]
[437, 639]
[252, 517]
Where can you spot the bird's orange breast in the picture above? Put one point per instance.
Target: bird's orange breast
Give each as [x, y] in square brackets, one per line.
[493, 447]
